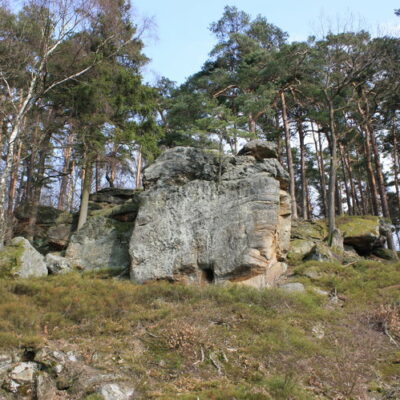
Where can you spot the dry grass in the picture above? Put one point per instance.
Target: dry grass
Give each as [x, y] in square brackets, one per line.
[231, 342]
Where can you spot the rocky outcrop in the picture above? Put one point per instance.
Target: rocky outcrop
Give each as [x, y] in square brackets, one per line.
[54, 374]
[211, 218]
[52, 230]
[21, 260]
[364, 233]
[356, 236]
[102, 243]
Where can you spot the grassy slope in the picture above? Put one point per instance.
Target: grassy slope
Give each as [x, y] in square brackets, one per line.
[220, 342]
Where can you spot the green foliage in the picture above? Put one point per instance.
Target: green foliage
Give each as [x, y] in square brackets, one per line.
[10, 260]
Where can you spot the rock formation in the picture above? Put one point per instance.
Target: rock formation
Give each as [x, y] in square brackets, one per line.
[104, 240]
[361, 235]
[21, 260]
[206, 217]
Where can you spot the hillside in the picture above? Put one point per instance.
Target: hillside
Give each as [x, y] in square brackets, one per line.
[336, 340]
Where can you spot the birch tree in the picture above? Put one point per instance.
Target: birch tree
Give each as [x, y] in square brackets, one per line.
[31, 41]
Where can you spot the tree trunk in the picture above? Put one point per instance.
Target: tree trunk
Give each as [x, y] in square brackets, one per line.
[5, 177]
[304, 196]
[278, 138]
[98, 175]
[252, 124]
[338, 197]
[346, 180]
[396, 169]
[66, 171]
[71, 188]
[379, 173]
[292, 188]
[38, 182]
[364, 201]
[86, 187]
[332, 171]
[356, 203]
[13, 180]
[321, 169]
[370, 172]
[138, 180]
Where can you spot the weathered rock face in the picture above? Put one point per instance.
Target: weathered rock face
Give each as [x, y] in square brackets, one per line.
[207, 219]
[101, 243]
[365, 234]
[21, 260]
[57, 264]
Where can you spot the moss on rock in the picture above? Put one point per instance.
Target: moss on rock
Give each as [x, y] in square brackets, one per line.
[351, 226]
[10, 260]
[309, 230]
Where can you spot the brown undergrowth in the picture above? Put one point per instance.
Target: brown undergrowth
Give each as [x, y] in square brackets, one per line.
[216, 342]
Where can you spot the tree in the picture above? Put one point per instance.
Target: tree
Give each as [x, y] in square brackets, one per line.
[34, 39]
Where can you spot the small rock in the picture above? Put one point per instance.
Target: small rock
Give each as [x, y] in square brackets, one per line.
[320, 291]
[312, 274]
[116, 391]
[293, 287]
[45, 387]
[23, 372]
[21, 378]
[318, 331]
[57, 264]
[320, 252]
[6, 361]
[72, 356]
[259, 149]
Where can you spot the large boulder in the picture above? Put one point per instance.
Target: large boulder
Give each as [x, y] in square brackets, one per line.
[260, 149]
[21, 260]
[102, 243]
[207, 218]
[363, 233]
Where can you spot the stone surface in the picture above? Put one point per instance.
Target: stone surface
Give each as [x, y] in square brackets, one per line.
[21, 260]
[363, 233]
[58, 235]
[309, 230]
[116, 391]
[114, 196]
[57, 264]
[102, 243]
[385, 254]
[299, 249]
[207, 219]
[320, 252]
[45, 387]
[259, 149]
[293, 287]
[21, 379]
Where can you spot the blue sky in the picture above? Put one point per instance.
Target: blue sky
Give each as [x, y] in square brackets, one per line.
[184, 40]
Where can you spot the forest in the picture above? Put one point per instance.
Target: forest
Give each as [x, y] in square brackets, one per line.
[76, 115]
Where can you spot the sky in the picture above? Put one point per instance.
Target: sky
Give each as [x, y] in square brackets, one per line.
[180, 41]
